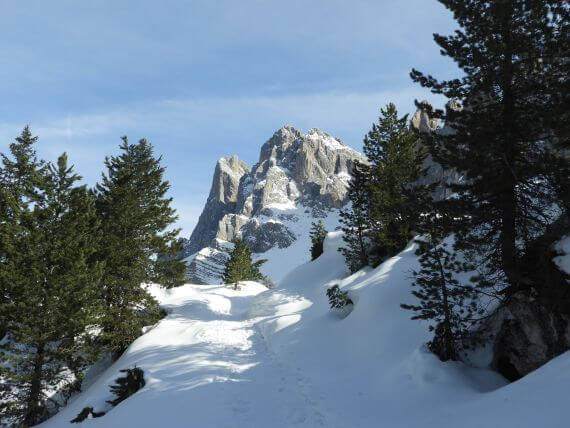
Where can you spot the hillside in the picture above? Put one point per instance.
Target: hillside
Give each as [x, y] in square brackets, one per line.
[280, 358]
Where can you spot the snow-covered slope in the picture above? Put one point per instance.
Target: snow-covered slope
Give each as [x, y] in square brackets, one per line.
[281, 358]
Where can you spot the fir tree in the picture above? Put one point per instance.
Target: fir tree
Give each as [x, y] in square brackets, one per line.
[20, 177]
[318, 234]
[240, 266]
[356, 219]
[395, 164]
[137, 247]
[127, 385]
[450, 305]
[54, 299]
[514, 58]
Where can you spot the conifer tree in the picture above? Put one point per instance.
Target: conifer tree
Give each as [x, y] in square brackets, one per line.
[240, 266]
[53, 299]
[137, 246]
[450, 305]
[318, 234]
[356, 219]
[513, 55]
[395, 164]
[20, 177]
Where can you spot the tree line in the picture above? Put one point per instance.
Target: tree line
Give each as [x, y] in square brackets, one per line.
[508, 143]
[72, 261]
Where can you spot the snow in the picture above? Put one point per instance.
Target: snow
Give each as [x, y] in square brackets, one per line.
[280, 261]
[280, 358]
[330, 142]
[562, 247]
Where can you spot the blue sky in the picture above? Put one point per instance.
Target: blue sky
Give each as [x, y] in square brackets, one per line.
[207, 78]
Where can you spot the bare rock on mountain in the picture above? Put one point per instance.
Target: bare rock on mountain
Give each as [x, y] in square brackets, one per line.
[222, 199]
[261, 237]
[422, 122]
[294, 170]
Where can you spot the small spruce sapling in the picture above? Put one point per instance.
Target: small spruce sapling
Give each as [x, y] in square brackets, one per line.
[338, 299]
[127, 385]
[240, 266]
[318, 234]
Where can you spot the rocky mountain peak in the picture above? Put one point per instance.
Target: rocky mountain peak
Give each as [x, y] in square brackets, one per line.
[226, 179]
[222, 199]
[279, 143]
[296, 172]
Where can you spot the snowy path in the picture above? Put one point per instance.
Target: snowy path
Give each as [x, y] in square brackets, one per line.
[258, 358]
[207, 363]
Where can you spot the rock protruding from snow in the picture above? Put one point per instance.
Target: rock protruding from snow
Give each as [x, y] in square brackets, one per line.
[221, 200]
[530, 335]
[422, 122]
[296, 171]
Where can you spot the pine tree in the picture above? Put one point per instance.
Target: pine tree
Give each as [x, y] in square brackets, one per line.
[450, 305]
[515, 63]
[395, 164]
[240, 266]
[137, 247]
[53, 299]
[318, 234]
[356, 219]
[20, 176]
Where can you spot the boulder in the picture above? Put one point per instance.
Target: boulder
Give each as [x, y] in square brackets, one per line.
[529, 335]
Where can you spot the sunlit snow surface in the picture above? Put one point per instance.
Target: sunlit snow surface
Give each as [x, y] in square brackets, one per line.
[279, 358]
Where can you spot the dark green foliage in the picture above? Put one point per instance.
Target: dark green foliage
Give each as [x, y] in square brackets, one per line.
[337, 298]
[318, 234]
[450, 305]
[50, 276]
[135, 214]
[127, 385]
[513, 56]
[395, 164]
[385, 196]
[240, 266]
[84, 414]
[355, 220]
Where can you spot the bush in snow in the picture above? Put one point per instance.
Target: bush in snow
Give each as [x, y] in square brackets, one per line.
[127, 385]
[318, 234]
[337, 298]
[84, 414]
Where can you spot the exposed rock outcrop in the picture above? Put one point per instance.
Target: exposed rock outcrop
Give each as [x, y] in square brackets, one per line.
[529, 336]
[222, 199]
[422, 122]
[294, 170]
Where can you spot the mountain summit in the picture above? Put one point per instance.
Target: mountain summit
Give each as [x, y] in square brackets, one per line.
[299, 177]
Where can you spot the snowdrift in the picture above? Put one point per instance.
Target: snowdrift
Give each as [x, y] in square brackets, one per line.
[281, 358]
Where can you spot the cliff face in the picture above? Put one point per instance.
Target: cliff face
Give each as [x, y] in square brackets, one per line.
[435, 172]
[297, 175]
[221, 200]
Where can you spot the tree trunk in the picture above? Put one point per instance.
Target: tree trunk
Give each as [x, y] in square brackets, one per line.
[33, 409]
[509, 152]
[449, 351]
[508, 239]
